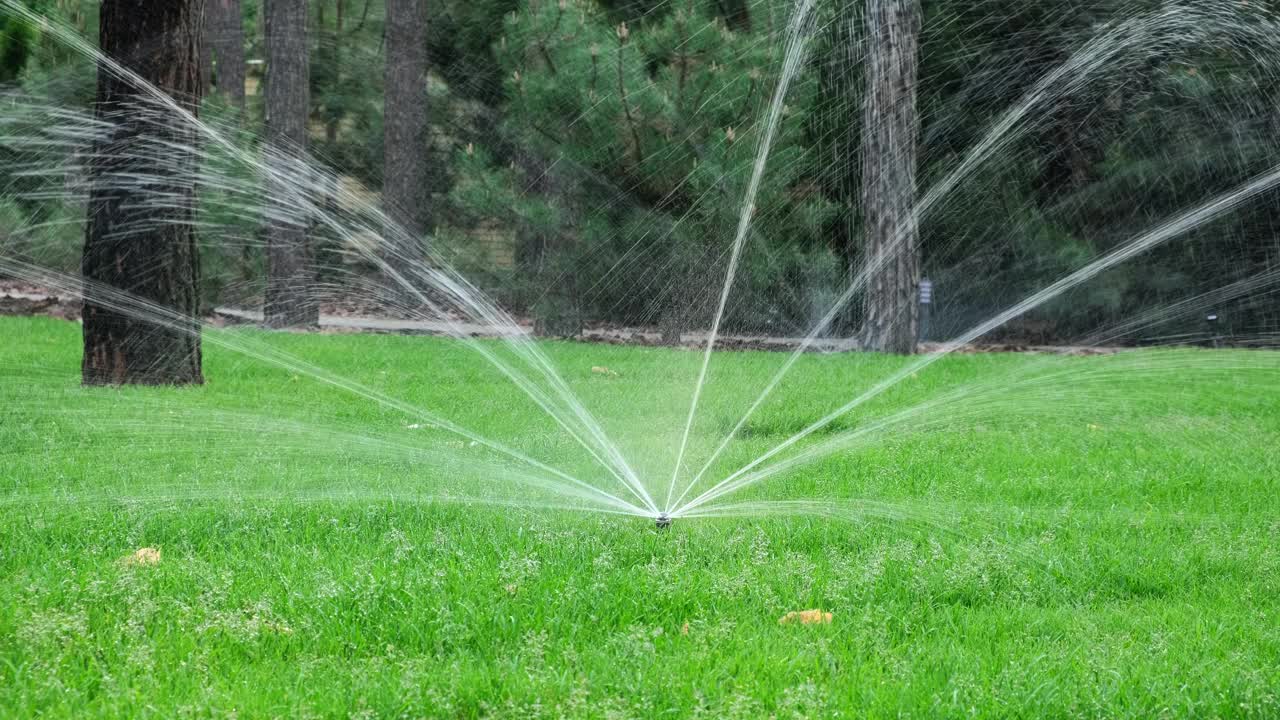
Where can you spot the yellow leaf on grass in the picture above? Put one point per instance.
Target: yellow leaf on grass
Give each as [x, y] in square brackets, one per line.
[806, 617]
[600, 370]
[143, 556]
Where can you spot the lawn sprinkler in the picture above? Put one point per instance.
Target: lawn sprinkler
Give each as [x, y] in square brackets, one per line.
[663, 521]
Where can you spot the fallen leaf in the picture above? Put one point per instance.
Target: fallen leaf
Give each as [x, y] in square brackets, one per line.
[601, 370]
[684, 629]
[143, 556]
[806, 617]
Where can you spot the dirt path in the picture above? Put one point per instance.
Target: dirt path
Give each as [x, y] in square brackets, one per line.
[611, 335]
[18, 298]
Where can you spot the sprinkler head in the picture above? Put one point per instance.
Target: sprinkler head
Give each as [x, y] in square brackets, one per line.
[663, 521]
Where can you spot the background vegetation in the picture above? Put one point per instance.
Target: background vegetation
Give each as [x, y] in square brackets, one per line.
[593, 155]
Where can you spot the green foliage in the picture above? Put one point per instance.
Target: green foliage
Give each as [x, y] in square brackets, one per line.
[658, 123]
[622, 158]
[347, 86]
[461, 39]
[16, 40]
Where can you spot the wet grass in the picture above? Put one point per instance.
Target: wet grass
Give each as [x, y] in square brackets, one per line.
[1077, 537]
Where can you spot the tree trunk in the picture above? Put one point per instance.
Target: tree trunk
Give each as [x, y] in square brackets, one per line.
[224, 33]
[140, 237]
[890, 135]
[289, 301]
[405, 141]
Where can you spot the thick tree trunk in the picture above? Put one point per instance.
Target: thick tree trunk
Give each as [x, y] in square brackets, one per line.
[405, 142]
[140, 236]
[290, 272]
[890, 134]
[224, 34]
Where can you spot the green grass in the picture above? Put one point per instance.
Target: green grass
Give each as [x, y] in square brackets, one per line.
[1079, 537]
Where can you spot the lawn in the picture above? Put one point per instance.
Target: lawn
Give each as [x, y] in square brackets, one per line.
[1072, 537]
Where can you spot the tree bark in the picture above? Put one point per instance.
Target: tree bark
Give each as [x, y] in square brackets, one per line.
[405, 142]
[290, 272]
[224, 34]
[890, 135]
[140, 237]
